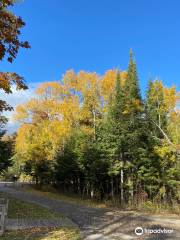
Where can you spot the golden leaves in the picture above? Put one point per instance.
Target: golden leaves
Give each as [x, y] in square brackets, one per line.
[171, 98]
[51, 90]
[165, 152]
[108, 83]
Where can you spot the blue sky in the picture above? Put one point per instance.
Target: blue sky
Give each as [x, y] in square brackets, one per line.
[96, 35]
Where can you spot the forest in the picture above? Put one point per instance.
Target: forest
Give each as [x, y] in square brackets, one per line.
[93, 135]
[96, 136]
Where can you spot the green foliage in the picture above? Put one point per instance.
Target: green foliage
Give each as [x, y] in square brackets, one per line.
[10, 44]
[161, 115]
[131, 84]
[111, 132]
[6, 151]
[19, 209]
[41, 172]
[95, 136]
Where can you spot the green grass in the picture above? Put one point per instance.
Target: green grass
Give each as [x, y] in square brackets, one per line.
[53, 194]
[20, 209]
[146, 207]
[43, 234]
[154, 207]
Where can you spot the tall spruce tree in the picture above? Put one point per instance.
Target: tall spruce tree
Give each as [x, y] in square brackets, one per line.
[134, 127]
[132, 83]
[112, 137]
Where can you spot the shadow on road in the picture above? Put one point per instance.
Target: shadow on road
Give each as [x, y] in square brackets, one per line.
[102, 223]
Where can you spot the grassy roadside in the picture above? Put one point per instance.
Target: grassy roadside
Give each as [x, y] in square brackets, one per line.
[43, 234]
[21, 209]
[52, 193]
[147, 207]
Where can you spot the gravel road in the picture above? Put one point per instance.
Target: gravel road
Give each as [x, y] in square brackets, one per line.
[105, 223]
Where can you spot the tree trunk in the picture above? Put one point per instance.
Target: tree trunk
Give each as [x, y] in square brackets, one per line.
[122, 186]
[112, 188]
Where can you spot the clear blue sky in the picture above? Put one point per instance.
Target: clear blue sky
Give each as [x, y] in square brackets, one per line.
[96, 35]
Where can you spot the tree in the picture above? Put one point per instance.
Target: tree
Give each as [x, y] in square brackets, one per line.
[10, 44]
[131, 84]
[134, 125]
[112, 134]
[95, 136]
[6, 149]
[46, 122]
[161, 104]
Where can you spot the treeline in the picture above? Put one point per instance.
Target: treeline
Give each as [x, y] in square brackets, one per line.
[89, 134]
[95, 136]
[10, 44]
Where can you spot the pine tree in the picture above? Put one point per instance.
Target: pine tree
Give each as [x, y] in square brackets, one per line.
[112, 136]
[132, 83]
[6, 148]
[135, 136]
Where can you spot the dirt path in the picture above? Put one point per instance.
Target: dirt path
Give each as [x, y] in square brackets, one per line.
[105, 224]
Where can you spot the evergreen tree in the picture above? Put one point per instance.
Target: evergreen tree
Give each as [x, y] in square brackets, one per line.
[6, 148]
[134, 126]
[132, 83]
[66, 167]
[112, 137]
